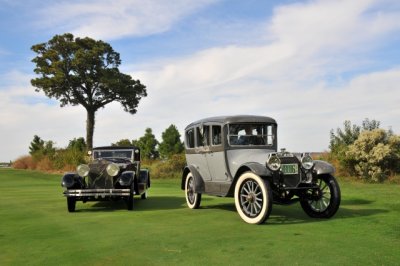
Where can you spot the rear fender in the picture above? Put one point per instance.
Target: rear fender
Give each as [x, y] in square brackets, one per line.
[198, 180]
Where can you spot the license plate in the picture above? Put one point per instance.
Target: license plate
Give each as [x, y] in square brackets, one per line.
[290, 169]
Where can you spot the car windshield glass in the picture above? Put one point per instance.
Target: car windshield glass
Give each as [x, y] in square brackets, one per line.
[251, 134]
[112, 154]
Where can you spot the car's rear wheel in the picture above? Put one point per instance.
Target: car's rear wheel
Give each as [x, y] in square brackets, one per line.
[324, 201]
[253, 198]
[193, 199]
[71, 203]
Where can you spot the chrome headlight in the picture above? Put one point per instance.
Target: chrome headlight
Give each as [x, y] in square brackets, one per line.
[307, 162]
[83, 170]
[273, 162]
[112, 169]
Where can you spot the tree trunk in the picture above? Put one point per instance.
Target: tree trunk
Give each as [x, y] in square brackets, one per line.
[90, 128]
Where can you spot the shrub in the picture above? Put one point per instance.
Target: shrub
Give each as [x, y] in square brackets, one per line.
[170, 168]
[24, 162]
[376, 154]
[45, 164]
[68, 159]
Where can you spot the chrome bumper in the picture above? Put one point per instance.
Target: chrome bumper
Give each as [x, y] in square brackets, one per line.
[97, 193]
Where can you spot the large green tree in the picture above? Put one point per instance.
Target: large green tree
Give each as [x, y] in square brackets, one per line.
[147, 144]
[122, 143]
[84, 71]
[40, 148]
[171, 142]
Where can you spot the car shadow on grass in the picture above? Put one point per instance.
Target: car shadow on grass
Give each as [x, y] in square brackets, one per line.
[294, 214]
[149, 204]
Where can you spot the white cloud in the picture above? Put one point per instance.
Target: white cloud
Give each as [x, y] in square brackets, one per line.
[111, 19]
[287, 78]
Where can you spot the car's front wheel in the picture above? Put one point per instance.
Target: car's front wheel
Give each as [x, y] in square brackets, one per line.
[253, 198]
[193, 199]
[129, 200]
[144, 195]
[324, 201]
[71, 203]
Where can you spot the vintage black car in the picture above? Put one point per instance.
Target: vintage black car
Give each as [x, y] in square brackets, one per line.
[236, 156]
[114, 173]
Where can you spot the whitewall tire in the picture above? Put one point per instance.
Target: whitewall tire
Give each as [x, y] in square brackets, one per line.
[253, 198]
[193, 199]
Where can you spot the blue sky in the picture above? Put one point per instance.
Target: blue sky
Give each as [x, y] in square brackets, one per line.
[309, 64]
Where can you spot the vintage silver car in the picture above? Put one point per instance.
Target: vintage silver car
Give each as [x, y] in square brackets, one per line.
[114, 173]
[236, 156]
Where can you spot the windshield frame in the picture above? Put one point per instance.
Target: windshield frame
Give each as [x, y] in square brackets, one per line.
[251, 134]
[112, 153]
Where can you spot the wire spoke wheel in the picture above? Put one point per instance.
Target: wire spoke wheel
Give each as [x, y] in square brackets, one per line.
[253, 198]
[324, 197]
[324, 201]
[193, 199]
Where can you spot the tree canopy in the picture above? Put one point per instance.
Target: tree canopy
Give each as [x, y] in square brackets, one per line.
[171, 142]
[84, 71]
[147, 143]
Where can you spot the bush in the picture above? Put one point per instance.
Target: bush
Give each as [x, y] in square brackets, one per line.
[170, 168]
[24, 162]
[376, 155]
[45, 164]
[62, 160]
[68, 159]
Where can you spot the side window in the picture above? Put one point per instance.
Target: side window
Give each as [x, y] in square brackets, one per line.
[216, 135]
[270, 135]
[203, 135]
[206, 136]
[190, 138]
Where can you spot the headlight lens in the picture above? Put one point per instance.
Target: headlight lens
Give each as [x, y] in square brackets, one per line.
[307, 162]
[273, 162]
[83, 170]
[112, 169]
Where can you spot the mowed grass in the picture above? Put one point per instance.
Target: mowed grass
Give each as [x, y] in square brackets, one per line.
[36, 229]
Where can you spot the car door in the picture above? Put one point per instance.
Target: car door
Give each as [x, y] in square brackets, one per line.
[215, 155]
[202, 149]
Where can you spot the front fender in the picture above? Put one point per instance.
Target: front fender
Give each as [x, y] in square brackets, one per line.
[257, 168]
[198, 180]
[71, 180]
[126, 178]
[322, 167]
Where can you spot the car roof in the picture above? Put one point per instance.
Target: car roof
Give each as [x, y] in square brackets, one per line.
[234, 119]
[115, 148]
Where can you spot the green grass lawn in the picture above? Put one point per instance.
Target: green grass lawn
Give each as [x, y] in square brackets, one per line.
[36, 229]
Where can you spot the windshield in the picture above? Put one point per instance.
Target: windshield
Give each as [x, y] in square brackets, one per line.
[126, 154]
[246, 134]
